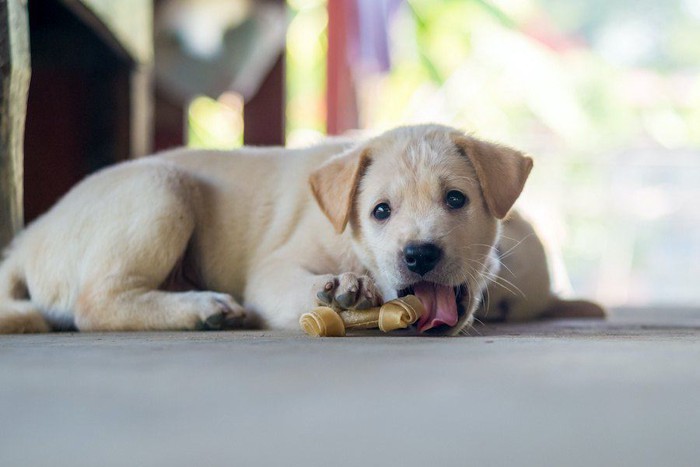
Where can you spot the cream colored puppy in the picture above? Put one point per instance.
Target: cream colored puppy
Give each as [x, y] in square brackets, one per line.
[190, 239]
[521, 289]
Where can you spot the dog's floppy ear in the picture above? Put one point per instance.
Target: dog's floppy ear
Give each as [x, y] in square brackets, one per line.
[502, 172]
[335, 183]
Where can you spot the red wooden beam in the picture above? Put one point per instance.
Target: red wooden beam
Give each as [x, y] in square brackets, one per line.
[264, 114]
[341, 98]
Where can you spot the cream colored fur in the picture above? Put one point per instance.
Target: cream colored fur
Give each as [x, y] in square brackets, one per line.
[193, 238]
[521, 289]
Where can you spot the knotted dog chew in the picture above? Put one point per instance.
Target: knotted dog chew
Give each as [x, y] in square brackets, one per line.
[400, 313]
[322, 322]
[395, 314]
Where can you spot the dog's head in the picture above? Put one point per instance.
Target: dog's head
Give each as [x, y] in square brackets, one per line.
[423, 204]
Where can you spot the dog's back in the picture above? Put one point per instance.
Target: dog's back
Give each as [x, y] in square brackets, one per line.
[48, 268]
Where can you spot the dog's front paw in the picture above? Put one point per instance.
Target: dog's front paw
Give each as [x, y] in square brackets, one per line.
[347, 291]
[219, 310]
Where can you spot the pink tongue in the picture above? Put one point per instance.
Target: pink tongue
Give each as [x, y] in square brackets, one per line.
[440, 305]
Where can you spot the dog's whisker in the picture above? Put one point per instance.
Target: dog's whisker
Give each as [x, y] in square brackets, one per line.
[472, 277]
[458, 225]
[510, 250]
[496, 279]
[505, 266]
[487, 301]
[479, 321]
[508, 238]
[479, 244]
[450, 231]
[500, 263]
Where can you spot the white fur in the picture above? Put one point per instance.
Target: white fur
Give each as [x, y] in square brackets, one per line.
[243, 227]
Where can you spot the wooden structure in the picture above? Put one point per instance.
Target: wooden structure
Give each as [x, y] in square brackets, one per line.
[264, 114]
[91, 100]
[14, 66]
[342, 112]
[182, 73]
[90, 96]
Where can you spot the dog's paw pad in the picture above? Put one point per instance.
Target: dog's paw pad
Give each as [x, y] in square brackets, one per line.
[214, 322]
[325, 290]
[230, 308]
[217, 309]
[325, 296]
[348, 291]
[347, 299]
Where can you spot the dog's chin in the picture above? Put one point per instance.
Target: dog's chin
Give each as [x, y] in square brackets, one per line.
[441, 318]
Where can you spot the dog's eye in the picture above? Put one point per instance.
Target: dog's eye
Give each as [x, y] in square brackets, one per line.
[381, 211]
[456, 199]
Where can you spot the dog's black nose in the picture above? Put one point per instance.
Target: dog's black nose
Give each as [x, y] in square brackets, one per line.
[421, 258]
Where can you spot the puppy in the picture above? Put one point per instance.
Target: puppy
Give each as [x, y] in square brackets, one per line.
[521, 287]
[201, 239]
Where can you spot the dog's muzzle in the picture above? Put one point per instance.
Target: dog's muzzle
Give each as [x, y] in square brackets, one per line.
[421, 258]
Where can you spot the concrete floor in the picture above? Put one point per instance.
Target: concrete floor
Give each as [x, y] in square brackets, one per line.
[565, 393]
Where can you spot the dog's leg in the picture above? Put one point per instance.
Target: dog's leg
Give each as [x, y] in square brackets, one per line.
[125, 277]
[129, 300]
[144, 309]
[279, 295]
[17, 313]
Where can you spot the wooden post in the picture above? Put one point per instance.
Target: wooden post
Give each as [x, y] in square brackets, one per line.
[342, 114]
[264, 114]
[141, 111]
[15, 69]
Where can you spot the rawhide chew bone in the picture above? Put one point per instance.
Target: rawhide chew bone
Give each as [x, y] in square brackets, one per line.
[395, 314]
[400, 313]
[322, 321]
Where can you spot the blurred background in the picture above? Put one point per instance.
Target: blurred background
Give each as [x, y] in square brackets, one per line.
[604, 94]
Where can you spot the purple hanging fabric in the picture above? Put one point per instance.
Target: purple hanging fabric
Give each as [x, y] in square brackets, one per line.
[369, 48]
